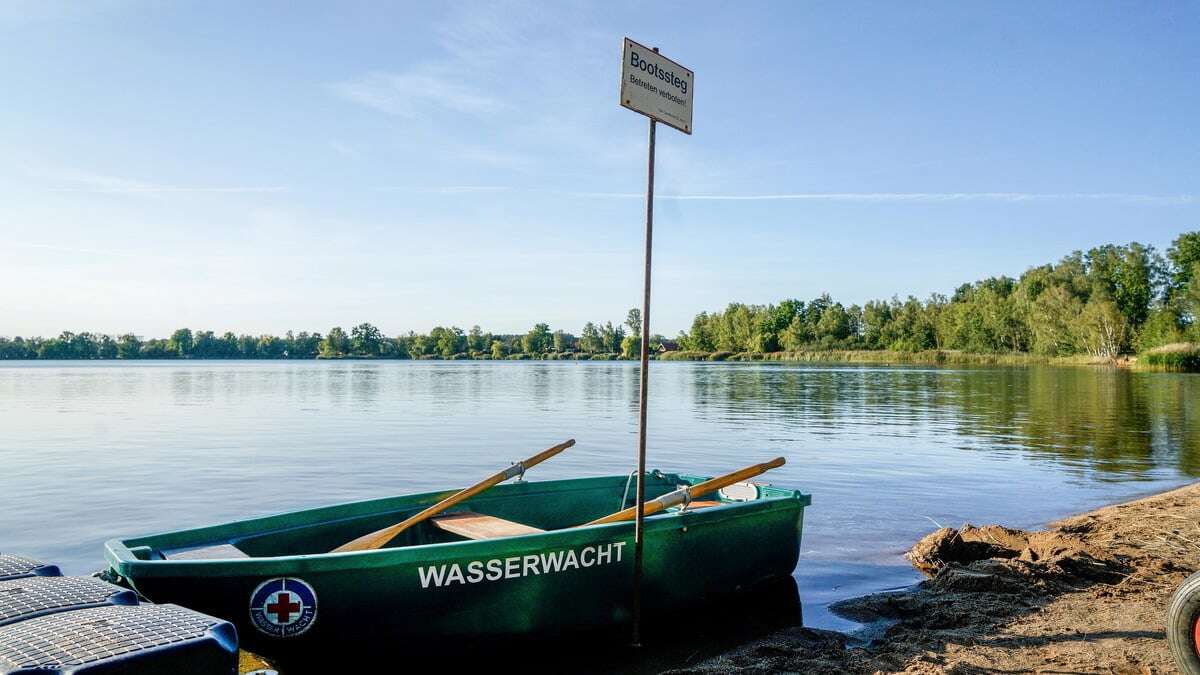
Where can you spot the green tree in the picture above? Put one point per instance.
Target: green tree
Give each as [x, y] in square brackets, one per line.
[336, 343]
[303, 346]
[365, 340]
[498, 350]
[476, 342]
[181, 342]
[796, 336]
[834, 324]
[589, 338]
[1105, 328]
[1165, 325]
[1191, 299]
[229, 346]
[129, 347]
[537, 340]
[611, 337]
[1130, 276]
[912, 327]
[773, 321]
[157, 349]
[1184, 255]
[106, 347]
[700, 337]
[271, 347]
[56, 348]
[634, 321]
[563, 342]
[205, 345]
[420, 345]
[631, 346]
[735, 328]
[448, 341]
[1055, 322]
[248, 347]
[17, 348]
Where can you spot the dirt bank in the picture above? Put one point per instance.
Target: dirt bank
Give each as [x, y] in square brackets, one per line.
[1087, 595]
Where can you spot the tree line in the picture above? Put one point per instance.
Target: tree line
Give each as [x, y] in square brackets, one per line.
[603, 340]
[1107, 301]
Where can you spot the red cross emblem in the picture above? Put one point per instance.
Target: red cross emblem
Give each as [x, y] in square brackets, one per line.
[283, 607]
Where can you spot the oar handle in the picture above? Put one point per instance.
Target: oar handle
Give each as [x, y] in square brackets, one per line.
[679, 496]
[380, 538]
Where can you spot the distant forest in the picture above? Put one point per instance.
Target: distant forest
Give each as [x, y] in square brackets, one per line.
[1105, 302]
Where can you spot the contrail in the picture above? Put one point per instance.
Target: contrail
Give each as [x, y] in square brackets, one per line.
[907, 197]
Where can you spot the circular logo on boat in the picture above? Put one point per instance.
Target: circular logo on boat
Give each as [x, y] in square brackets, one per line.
[283, 607]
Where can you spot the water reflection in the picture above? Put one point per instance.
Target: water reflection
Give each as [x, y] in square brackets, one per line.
[670, 640]
[1108, 420]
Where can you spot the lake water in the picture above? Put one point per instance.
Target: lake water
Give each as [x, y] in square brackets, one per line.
[94, 450]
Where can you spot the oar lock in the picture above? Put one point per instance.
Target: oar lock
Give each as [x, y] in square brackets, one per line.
[679, 497]
[517, 469]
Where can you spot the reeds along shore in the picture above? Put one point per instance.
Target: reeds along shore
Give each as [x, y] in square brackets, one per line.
[1179, 357]
[1183, 357]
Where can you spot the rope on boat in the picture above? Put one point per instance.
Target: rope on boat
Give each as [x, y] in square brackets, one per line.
[625, 495]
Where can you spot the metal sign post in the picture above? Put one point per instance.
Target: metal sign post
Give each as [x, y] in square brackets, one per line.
[662, 90]
[644, 386]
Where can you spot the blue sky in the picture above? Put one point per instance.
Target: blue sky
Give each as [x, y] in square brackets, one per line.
[260, 167]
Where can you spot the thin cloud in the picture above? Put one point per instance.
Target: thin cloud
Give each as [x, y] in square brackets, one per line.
[444, 189]
[908, 197]
[344, 149]
[85, 181]
[413, 92]
[878, 197]
[480, 48]
[140, 255]
[175, 188]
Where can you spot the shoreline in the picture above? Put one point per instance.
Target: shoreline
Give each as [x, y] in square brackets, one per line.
[892, 357]
[1149, 362]
[1086, 594]
[875, 357]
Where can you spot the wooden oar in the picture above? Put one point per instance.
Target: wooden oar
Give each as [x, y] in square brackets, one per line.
[379, 538]
[699, 489]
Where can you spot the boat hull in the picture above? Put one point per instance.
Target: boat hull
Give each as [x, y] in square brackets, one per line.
[554, 582]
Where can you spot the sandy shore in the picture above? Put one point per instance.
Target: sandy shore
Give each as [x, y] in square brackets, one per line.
[1087, 595]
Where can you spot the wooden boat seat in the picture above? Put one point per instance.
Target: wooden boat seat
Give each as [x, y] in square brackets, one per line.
[218, 552]
[478, 526]
[698, 504]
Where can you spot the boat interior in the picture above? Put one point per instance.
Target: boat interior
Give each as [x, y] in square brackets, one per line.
[516, 509]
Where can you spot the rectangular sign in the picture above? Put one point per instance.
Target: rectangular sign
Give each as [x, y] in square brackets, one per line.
[656, 86]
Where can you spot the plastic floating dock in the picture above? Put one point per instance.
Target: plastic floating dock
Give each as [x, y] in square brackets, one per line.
[29, 597]
[17, 566]
[56, 625]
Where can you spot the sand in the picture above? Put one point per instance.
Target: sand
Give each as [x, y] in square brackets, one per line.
[1087, 595]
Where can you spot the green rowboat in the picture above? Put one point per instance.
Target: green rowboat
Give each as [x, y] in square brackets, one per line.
[512, 561]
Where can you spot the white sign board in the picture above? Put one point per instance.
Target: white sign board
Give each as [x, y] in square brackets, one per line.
[656, 86]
